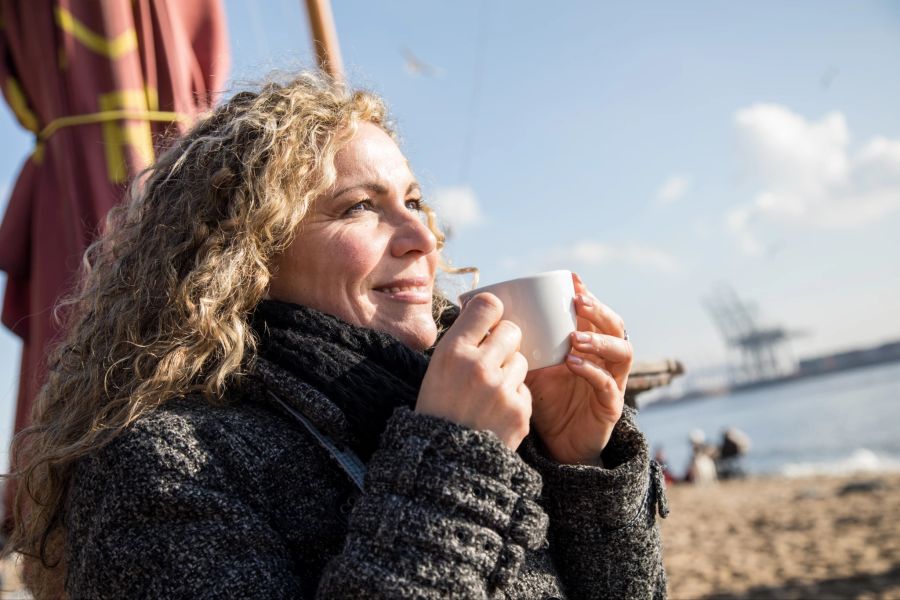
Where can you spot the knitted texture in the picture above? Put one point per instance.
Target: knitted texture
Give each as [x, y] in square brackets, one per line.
[604, 538]
[200, 501]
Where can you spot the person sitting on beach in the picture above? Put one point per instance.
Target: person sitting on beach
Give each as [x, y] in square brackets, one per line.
[261, 394]
[702, 467]
[735, 444]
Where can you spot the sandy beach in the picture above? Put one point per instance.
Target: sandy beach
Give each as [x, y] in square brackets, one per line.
[818, 537]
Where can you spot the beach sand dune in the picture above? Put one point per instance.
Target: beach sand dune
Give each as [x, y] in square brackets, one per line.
[817, 537]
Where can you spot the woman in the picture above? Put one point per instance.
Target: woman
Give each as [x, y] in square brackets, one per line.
[258, 322]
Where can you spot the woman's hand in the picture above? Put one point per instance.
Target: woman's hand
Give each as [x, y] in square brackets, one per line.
[577, 404]
[477, 375]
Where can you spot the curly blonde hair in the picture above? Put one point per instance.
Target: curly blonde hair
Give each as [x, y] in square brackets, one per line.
[162, 305]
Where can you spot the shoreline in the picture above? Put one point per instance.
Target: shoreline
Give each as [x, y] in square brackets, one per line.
[799, 376]
[816, 536]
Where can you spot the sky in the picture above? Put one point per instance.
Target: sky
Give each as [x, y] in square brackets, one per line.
[661, 150]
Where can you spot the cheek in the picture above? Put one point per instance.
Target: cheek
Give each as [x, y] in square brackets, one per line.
[352, 258]
[330, 271]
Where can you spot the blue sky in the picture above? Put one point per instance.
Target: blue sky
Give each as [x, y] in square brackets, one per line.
[658, 149]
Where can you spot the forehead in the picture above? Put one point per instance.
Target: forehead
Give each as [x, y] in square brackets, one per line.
[371, 154]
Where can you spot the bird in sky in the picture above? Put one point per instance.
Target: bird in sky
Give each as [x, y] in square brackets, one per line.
[415, 66]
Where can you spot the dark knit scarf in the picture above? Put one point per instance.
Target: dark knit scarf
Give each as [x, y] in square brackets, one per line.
[347, 379]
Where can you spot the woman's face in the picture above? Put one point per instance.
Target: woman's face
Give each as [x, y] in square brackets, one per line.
[364, 253]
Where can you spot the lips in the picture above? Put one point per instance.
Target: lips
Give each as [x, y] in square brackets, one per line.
[405, 288]
[420, 284]
[416, 290]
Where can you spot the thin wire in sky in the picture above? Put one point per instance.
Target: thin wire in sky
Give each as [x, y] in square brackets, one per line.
[475, 101]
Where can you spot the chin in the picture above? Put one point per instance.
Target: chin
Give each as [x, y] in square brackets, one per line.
[418, 341]
[417, 336]
[415, 328]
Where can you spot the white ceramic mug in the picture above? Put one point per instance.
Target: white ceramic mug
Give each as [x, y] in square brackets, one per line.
[543, 307]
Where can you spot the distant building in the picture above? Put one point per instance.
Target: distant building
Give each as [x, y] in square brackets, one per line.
[851, 359]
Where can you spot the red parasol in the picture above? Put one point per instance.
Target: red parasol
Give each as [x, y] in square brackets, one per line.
[99, 83]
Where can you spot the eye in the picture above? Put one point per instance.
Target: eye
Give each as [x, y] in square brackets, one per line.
[359, 207]
[415, 204]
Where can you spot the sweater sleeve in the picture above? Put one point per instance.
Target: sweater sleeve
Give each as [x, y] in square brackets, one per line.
[603, 534]
[447, 512]
[154, 514]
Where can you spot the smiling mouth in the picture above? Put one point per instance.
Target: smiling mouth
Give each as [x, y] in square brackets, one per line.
[410, 294]
[407, 288]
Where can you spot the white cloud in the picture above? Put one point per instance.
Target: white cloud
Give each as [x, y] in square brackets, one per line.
[649, 257]
[673, 189]
[738, 221]
[808, 176]
[591, 253]
[457, 207]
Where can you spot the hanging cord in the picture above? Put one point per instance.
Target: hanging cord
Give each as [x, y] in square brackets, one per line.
[109, 115]
[104, 116]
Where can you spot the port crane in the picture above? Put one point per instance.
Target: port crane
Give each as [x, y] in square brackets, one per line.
[764, 350]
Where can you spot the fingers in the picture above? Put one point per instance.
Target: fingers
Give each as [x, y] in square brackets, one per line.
[601, 380]
[504, 340]
[600, 316]
[479, 316]
[516, 368]
[517, 416]
[476, 379]
[607, 347]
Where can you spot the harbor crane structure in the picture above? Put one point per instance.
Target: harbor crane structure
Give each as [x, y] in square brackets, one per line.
[763, 350]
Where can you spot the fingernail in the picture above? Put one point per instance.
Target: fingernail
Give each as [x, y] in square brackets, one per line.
[582, 337]
[577, 277]
[585, 301]
[575, 360]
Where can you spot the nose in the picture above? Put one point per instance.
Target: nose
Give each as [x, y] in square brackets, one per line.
[412, 235]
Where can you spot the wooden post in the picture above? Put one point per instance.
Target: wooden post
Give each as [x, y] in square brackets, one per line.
[325, 41]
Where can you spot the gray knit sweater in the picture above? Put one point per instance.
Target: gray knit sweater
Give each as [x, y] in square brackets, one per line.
[201, 501]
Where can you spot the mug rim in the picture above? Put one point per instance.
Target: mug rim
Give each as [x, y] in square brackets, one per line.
[541, 275]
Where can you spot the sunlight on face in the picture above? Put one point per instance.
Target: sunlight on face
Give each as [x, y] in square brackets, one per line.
[364, 253]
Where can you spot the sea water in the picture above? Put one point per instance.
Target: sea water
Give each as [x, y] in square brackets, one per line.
[837, 423]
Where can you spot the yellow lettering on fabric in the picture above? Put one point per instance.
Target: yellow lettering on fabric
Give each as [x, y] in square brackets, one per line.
[152, 97]
[113, 48]
[19, 105]
[117, 135]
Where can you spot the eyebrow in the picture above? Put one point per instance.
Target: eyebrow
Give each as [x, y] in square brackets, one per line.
[375, 188]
